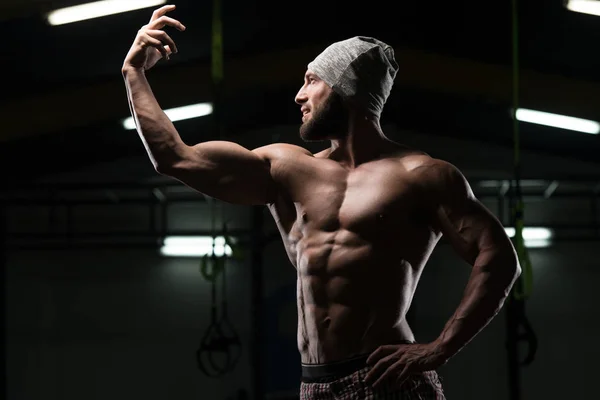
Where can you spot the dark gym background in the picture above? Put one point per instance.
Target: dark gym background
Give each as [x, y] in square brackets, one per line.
[93, 311]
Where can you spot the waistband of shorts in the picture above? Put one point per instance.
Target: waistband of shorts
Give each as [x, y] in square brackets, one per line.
[331, 371]
[335, 370]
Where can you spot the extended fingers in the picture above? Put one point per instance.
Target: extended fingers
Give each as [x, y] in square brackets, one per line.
[159, 12]
[380, 352]
[392, 371]
[166, 21]
[147, 40]
[163, 37]
[380, 368]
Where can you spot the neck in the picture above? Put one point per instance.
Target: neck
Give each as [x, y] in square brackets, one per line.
[363, 142]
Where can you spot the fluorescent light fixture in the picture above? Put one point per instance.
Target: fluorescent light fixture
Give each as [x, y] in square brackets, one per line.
[534, 237]
[97, 9]
[194, 246]
[584, 6]
[531, 233]
[178, 113]
[558, 121]
[538, 244]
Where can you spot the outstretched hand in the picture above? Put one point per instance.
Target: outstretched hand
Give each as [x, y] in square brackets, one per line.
[395, 363]
[151, 42]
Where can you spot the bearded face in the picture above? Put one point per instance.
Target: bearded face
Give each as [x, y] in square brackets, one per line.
[326, 120]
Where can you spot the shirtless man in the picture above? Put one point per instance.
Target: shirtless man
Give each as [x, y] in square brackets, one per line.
[359, 220]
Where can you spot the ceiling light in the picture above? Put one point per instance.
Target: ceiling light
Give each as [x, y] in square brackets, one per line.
[195, 246]
[178, 113]
[97, 9]
[537, 244]
[531, 233]
[591, 7]
[558, 121]
[533, 237]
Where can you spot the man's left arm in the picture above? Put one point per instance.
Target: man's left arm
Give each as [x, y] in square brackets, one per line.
[480, 239]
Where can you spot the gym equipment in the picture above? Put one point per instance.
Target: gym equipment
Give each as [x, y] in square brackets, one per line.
[518, 327]
[221, 337]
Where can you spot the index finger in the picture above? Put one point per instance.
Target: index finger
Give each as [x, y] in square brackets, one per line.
[380, 352]
[159, 12]
[164, 20]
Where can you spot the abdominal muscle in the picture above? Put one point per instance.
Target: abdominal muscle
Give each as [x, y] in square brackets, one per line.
[352, 298]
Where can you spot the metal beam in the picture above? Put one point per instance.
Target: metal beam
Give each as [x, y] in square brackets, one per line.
[71, 108]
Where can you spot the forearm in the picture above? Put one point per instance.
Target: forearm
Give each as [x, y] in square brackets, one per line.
[160, 138]
[491, 280]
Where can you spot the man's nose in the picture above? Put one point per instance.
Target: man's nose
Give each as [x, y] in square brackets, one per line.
[301, 96]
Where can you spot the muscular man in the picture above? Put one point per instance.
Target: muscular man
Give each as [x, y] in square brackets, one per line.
[358, 220]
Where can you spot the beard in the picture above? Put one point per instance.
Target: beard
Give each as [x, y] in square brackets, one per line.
[328, 121]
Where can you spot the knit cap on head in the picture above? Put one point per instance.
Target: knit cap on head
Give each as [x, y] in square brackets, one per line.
[360, 69]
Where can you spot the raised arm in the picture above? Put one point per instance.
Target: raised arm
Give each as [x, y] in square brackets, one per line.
[480, 239]
[223, 170]
[226, 171]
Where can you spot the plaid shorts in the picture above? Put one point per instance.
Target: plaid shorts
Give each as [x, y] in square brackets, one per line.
[326, 384]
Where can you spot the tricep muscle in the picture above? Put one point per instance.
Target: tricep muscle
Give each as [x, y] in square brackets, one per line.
[226, 171]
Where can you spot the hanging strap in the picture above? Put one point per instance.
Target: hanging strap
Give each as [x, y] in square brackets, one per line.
[523, 287]
[217, 69]
[217, 44]
[520, 328]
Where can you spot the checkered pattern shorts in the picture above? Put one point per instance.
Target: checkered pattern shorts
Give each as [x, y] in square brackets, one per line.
[423, 386]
